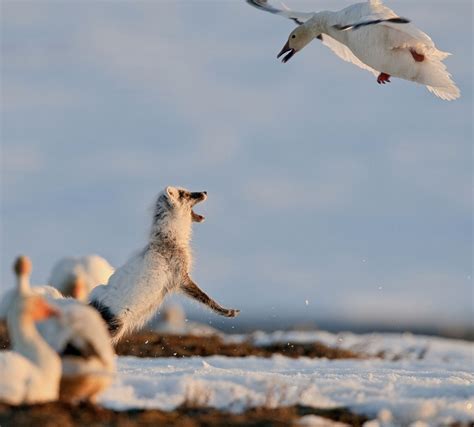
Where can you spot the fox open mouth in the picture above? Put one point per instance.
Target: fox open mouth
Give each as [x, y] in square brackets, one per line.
[196, 217]
[198, 197]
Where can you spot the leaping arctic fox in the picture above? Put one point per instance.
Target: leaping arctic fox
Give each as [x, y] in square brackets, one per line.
[136, 290]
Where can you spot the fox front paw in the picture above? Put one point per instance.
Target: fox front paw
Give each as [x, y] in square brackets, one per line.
[232, 312]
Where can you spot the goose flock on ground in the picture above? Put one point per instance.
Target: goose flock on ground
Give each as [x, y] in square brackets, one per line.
[66, 356]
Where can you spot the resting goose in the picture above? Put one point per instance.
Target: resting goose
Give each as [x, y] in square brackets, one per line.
[376, 39]
[81, 339]
[77, 276]
[31, 372]
[173, 321]
[7, 297]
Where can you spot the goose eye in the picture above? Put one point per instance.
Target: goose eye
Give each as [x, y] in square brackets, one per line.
[293, 36]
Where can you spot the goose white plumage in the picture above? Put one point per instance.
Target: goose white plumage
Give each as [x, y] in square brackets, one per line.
[32, 371]
[81, 338]
[173, 321]
[376, 39]
[8, 297]
[78, 276]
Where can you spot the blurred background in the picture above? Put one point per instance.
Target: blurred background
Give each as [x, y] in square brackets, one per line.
[333, 201]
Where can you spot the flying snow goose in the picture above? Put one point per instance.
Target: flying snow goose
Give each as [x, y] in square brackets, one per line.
[31, 372]
[376, 39]
[77, 276]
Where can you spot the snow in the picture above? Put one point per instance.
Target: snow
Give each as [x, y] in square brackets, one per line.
[315, 421]
[437, 389]
[392, 346]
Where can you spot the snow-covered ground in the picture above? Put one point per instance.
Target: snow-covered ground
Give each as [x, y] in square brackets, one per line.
[436, 389]
[391, 346]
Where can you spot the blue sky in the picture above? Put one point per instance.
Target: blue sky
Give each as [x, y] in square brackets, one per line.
[323, 186]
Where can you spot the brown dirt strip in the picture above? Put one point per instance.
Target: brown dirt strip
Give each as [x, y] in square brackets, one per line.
[152, 344]
[86, 415]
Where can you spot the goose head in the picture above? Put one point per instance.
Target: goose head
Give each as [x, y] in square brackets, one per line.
[22, 268]
[297, 40]
[76, 286]
[27, 303]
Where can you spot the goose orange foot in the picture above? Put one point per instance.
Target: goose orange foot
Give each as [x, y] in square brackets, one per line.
[383, 78]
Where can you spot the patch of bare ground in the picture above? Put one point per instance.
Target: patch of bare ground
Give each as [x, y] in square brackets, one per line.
[86, 415]
[152, 344]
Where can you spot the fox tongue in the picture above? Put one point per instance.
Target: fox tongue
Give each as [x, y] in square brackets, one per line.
[196, 218]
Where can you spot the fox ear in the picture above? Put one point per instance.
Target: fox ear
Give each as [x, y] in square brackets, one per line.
[172, 193]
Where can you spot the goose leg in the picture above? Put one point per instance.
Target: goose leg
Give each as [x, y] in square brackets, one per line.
[383, 78]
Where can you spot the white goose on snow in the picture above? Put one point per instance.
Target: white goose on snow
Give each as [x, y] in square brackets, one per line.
[376, 39]
[32, 371]
[81, 339]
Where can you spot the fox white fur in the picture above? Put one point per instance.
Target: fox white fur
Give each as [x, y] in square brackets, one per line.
[136, 290]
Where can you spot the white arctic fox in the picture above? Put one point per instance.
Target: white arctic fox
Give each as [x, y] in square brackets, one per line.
[136, 290]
